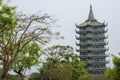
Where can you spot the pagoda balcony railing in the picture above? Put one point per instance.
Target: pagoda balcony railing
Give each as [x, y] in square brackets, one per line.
[83, 31]
[99, 61]
[81, 50]
[98, 43]
[92, 49]
[96, 49]
[95, 68]
[92, 55]
[92, 43]
[91, 36]
[91, 30]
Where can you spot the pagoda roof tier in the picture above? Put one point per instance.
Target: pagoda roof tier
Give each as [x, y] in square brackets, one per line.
[78, 50]
[92, 49]
[91, 31]
[93, 56]
[95, 62]
[96, 69]
[91, 37]
[91, 43]
[90, 23]
[86, 50]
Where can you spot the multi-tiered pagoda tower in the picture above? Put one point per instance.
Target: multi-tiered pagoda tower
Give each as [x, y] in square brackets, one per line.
[91, 43]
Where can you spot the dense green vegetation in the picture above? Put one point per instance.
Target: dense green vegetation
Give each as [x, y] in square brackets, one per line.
[62, 64]
[114, 73]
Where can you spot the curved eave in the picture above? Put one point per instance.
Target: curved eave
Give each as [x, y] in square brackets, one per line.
[105, 31]
[105, 24]
[78, 32]
[77, 37]
[106, 36]
[77, 26]
[77, 44]
[107, 55]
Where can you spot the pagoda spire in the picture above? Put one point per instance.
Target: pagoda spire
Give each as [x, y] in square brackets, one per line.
[91, 15]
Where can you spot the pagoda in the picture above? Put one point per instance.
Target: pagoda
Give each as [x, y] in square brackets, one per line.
[91, 41]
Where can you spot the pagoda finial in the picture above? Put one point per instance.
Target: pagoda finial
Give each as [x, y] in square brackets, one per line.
[91, 15]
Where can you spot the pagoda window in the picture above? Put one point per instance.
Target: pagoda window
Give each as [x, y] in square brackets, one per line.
[95, 27]
[102, 65]
[97, 72]
[96, 66]
[83, 28]
[95, 33]
[84, 34]
[101, 59]
[95, 54]
[102, 72]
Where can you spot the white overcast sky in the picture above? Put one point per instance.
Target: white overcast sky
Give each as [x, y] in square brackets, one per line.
[70, 12]
[76, 11]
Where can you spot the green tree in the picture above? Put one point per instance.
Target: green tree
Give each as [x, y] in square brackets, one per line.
[110, 74]
[29, 57]
[62, 64]
[114, 73]
[17, 32]
[87, 77]
[77, 69]
[34, 76]
[12, 77]
[7, 26]
[56, 66]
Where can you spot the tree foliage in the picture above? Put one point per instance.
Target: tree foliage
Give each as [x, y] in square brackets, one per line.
[34, 76]
[62, 64]
[114, 73]
[29, 57]
[56, 66]
[87, 77]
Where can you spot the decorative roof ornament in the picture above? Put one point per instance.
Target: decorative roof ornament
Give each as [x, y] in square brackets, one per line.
[91, 15]
[91, 21]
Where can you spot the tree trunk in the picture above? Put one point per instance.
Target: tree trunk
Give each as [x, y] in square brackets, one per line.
[20, 74]
[5, 71]
[4, 76]
[22, 77]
